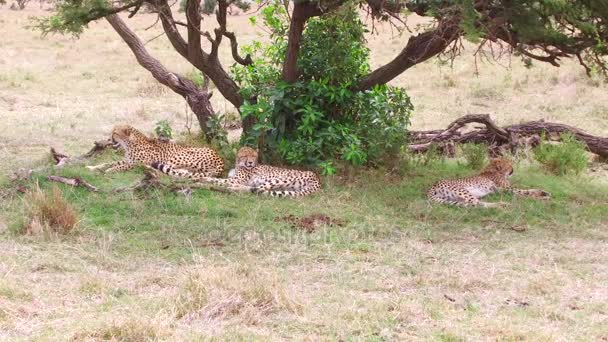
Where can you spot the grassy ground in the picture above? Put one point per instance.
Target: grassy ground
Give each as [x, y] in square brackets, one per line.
[157, 265]
[160, 266]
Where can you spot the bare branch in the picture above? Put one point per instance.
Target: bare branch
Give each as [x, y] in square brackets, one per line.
[235, 50]
[508, 136]
[166, 17]
[198, 99]
[135, 10]
[75, 182]
[220, 14]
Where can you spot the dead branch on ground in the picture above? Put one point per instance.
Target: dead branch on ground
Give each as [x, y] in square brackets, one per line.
[75, 182]
[63, 159]
[498, 138]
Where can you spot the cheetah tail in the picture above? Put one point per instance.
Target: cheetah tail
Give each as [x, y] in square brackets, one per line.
[161, 167]
[169, 170]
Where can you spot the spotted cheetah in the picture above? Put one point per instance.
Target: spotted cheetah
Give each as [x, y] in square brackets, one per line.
[141, 149]
[467, 191]
[252, 177]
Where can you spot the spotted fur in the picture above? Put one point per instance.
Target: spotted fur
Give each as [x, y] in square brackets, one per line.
[253, 177]
[141, 149]
[468, 191]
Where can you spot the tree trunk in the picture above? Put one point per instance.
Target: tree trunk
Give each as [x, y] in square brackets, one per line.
[301, 12]
[202, 109]
[197, 98]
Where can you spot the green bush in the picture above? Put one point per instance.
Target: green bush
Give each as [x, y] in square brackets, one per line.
[320, 117]
[569, 156]
[163, 129]
[217, 134]
[476, 155]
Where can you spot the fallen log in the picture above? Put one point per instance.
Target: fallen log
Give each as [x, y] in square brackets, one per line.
[63, 159]
[512, 136]
[75, 182]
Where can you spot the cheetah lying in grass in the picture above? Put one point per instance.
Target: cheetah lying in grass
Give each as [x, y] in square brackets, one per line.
[141, 149]
[468, 191]
[252, 177]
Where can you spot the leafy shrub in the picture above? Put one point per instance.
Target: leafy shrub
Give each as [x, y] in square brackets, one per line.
[476, 155]
[163, 129]
[217, 133]
[334, 47]
[48, 213]
[327, 168]
[320, 117]
[569, 156]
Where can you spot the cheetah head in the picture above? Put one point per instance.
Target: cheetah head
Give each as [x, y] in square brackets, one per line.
[499, 166]
[125, 135]
[247, 158]
[121, 135]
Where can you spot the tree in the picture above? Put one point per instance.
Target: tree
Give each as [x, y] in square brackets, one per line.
[541, 30]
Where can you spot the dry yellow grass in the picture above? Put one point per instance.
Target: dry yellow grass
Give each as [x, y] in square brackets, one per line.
[48, 213]
[399, 270]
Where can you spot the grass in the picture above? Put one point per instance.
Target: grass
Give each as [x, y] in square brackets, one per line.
[48, 213]
[160, 266]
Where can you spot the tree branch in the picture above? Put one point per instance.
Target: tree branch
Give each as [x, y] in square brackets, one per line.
[234, 45]
[198, 99]
[209, 65]
[220, 15]
[166, 17]
[418, 49]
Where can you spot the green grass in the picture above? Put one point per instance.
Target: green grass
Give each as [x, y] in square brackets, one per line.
[374, 206]
[381, 276]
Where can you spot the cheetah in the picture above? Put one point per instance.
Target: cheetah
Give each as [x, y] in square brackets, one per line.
[249, 176]
[468, 191]
[141, 149]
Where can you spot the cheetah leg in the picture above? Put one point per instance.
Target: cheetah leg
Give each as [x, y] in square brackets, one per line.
[120, 166]
[230, 184]
[464, 199]
[288, 188]
[197, 168]
[97, 167]
[111, 167]
[227, 182]
[492, 204]
[534, 193]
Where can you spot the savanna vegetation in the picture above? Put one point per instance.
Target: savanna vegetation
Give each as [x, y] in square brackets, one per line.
[367, 258]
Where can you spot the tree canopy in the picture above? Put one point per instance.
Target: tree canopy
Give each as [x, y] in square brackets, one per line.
[268, 83]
